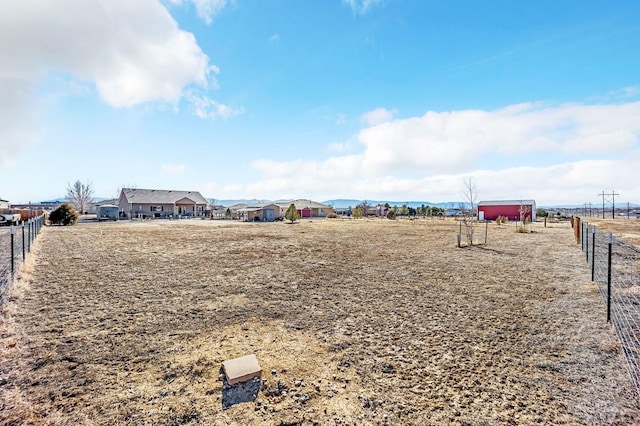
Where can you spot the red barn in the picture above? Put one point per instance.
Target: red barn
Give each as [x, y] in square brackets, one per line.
[512, 209]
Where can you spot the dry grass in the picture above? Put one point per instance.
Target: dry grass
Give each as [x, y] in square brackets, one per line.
[361, 321]
[625, 229]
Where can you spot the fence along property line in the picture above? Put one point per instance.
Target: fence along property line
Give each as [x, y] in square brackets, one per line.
[614, 269]
[15, 242]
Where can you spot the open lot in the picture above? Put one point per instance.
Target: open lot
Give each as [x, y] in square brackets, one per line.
[627, 230]
[353, 322]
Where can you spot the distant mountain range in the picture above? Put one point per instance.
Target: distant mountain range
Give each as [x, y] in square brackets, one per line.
[343, 203]
[339, 203]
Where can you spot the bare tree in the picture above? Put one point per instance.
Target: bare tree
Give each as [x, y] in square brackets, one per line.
[365, 207]
[469, 212]
[80, 195]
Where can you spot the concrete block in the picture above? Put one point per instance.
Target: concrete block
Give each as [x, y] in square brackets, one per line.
[241, 369]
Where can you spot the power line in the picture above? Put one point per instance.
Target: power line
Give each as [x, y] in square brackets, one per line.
[613, 202]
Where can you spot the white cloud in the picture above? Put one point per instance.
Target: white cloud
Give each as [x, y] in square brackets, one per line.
[429, 157]
[458, 140]
[16, 119]
[274, 38]
[377, 116]
[205, 107]
[340, 146]
[174, 169]
[565, 183]
[206, 9]
[131, 52]
[361, 7]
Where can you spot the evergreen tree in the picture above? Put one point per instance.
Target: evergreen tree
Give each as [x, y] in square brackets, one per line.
[292, 214]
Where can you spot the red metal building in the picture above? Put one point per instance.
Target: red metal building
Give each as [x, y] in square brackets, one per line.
[512, 209]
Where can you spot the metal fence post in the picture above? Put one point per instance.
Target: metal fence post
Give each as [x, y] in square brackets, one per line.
[593, 254]
[586, 242]
[609, 278]
[24, 255]
[29, 223]
[13, 261]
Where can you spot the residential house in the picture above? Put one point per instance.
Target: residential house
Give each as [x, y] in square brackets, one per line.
[307, 208]
[158, 203]
[4, 204]
[262, 212]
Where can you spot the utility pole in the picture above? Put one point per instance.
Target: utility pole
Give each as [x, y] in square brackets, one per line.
[613, 202]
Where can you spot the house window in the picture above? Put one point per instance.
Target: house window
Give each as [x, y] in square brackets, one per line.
[157, 208]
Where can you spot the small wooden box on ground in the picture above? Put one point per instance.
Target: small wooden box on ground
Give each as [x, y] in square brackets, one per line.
[241, 369]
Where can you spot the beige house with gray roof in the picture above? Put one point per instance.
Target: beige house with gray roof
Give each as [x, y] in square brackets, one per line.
[307, 208]
[160, 204]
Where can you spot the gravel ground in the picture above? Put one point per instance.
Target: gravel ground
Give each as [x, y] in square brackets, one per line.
[353, 321]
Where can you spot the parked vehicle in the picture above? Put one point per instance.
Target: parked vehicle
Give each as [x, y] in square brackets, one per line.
[107, 212]
[9, 218]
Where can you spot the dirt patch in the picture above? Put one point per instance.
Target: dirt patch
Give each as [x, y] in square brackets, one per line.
[353, 322]
[627, 230]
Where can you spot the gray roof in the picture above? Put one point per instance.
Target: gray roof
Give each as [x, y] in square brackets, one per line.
[160, 196]
[302, 203]
[109, 202]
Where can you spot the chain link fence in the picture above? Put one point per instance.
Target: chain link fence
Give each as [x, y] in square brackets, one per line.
[15, 242]
[614, 269]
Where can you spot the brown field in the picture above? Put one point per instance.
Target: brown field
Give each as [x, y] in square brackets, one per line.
[353, 321]
[627, 230]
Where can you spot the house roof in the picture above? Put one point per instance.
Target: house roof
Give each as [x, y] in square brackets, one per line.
[109, 202]
[237, 206]
[160, 196]
[302, 204]
[257, 207]
[507, 203]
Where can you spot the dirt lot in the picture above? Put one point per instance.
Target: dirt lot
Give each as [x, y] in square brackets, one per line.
[627, 230]
[353, 322]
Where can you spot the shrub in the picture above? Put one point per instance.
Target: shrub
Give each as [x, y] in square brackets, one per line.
[65, 215]
[502, 220]
[332, 216]
[391, 215]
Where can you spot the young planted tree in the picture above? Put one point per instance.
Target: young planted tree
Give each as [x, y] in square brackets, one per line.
[469, 211]
[357, 212]
[65, 215]
[292, 213]
[80, 195]
[525, 218]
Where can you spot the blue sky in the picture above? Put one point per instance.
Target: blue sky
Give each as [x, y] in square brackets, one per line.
[368, 99]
